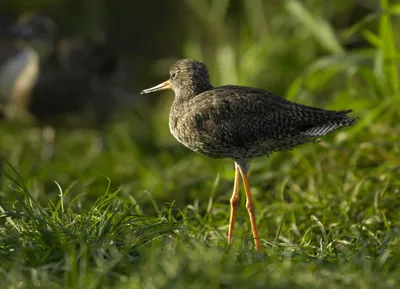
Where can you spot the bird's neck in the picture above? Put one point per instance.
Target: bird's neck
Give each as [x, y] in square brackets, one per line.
[188, 92]
[43, 50]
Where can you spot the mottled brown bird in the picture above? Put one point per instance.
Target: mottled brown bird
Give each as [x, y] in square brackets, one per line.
[240, 123]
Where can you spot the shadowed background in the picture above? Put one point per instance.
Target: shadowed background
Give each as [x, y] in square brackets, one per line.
[332, 54]
[305, 51]
[292, 48]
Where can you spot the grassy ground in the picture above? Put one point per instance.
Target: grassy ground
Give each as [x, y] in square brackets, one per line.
[151, 214]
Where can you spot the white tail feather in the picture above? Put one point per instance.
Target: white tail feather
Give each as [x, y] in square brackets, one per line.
[324, 129]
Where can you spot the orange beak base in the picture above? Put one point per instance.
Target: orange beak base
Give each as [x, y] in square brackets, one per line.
[161, 86]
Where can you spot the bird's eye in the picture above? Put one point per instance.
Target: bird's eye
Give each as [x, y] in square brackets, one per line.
[173, 75]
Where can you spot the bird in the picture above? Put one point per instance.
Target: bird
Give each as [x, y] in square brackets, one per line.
[70, 83]
[19, 66]
[240, 123]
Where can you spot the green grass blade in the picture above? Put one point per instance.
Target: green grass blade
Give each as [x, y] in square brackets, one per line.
[389, 50]
[321, 29]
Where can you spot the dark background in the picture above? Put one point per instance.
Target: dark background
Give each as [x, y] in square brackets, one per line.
[147, 32]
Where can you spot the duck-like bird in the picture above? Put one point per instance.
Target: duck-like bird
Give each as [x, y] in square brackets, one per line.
[58, 79]
[19, 68]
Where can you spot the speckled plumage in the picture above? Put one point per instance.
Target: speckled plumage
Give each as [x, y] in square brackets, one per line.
[240, 122]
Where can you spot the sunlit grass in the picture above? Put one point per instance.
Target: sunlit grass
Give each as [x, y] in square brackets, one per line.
[148, 213]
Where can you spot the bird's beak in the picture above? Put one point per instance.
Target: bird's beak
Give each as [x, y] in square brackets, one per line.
[161, 86]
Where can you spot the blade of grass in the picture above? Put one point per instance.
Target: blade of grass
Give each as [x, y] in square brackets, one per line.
[321, 29]
[389, 50]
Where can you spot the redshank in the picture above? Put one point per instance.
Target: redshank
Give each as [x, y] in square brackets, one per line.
[240, 123]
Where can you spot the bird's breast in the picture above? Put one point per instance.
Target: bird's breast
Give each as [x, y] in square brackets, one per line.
[182, 127]
[192, 130]
[17, 78]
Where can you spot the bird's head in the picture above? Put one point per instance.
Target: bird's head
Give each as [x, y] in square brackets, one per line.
[38, 31]
[187, 78]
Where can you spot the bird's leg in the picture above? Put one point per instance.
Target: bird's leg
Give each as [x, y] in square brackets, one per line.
[234, 204]
[48, 137]
[250, 207]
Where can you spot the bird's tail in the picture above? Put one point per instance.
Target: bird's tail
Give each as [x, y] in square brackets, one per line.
[336, 120]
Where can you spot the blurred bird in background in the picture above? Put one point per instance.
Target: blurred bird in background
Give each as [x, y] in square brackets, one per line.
[19, 68]
[54, 81]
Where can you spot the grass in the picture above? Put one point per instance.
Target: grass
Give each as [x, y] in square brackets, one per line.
[151, 214]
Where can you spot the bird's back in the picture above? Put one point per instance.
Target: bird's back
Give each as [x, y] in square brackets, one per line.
[242, 122]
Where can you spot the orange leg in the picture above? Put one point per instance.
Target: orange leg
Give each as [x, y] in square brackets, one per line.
[250, 209]
[234, 204]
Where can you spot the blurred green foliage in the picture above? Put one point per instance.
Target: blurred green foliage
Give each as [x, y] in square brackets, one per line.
[148, 213]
